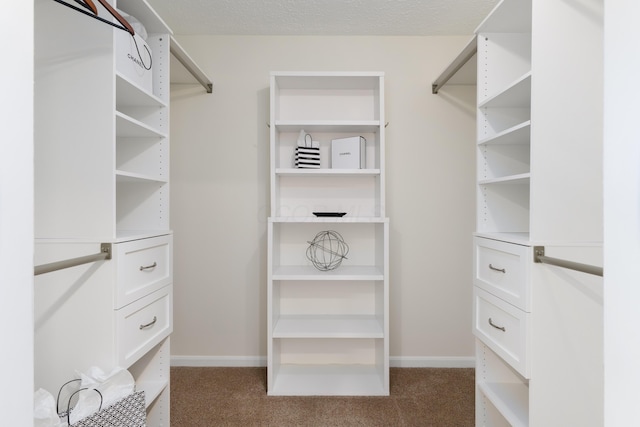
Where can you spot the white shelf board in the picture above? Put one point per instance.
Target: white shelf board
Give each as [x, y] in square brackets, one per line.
[344, 272]
[520, 179]
[129, 93]
[344, 219]
[143, 11]
[328, 380]
[519, 134]
[124, 176]
[328, 79]
[326, 172]
[328, 327]
[516, 94]
[328, 125]
[518, 238]
[128, 127]
[510, 399]
[152, 389]
[129, 235]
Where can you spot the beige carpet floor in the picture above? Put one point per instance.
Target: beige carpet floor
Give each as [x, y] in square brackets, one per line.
[426, 397]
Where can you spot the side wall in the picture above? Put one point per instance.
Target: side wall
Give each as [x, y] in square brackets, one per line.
[220, 189]
[621, 213]
[16, 216]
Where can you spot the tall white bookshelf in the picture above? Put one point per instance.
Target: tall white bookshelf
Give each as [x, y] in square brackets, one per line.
[328, 331]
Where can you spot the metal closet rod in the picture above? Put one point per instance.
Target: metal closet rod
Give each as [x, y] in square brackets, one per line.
[540, 257]
[105, 254]
[189, 64]
[465, 55]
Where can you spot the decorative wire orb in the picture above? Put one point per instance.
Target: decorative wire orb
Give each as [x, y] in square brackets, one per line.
[327, 250]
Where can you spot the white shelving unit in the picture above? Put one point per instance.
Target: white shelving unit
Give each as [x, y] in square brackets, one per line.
[539, 183]
[327, 330]
[533, 186]
[102, 175]
[504, 120]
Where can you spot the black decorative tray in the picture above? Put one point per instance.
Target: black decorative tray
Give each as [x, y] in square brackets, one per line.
[330, 214]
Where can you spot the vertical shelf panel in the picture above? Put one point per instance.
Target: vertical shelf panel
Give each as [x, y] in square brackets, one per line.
[503, 213]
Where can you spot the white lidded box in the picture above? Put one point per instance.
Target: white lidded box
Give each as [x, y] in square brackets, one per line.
[348, 153]
[134, 63]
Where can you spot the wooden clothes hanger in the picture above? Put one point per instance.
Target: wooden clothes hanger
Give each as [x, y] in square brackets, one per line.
[124, 24]
[115, 14]
[89, 4]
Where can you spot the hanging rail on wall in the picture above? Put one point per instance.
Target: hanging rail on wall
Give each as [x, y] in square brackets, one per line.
[105, 254]
[467, 53]
[540, 257]
[183, 57]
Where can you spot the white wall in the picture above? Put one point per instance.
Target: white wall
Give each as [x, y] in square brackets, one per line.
[622, 213]
[16, 215]
[220, 186]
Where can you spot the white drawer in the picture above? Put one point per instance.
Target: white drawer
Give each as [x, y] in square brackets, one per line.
[143, 324]
[503, 328]
[503, 270]
[143, 266]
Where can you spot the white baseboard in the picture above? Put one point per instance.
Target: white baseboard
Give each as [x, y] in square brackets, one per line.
[431, 362]
[261, 361]
[220, 361]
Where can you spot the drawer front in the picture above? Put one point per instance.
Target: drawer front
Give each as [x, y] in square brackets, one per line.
[143, 266]
[503, 270]
[503, 328]
[143, 324]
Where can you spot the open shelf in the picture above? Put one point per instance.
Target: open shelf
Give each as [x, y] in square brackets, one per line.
[522, 178]
[129, 127]
[336, 220]
[344, 272]
[516, 94]
[510, 399]
[328, 326]
[328, 125]
[519, 134]
[129, 93]
[326, 172]
[335, 380]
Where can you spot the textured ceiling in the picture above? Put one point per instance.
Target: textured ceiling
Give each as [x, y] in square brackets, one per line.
[323, 17]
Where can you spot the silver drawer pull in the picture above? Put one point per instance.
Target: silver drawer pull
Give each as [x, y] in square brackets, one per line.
[501, 270]
[502, 328]
[148, 267]
[155, 319]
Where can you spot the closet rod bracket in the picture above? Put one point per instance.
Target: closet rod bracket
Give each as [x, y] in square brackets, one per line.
[106, 248]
